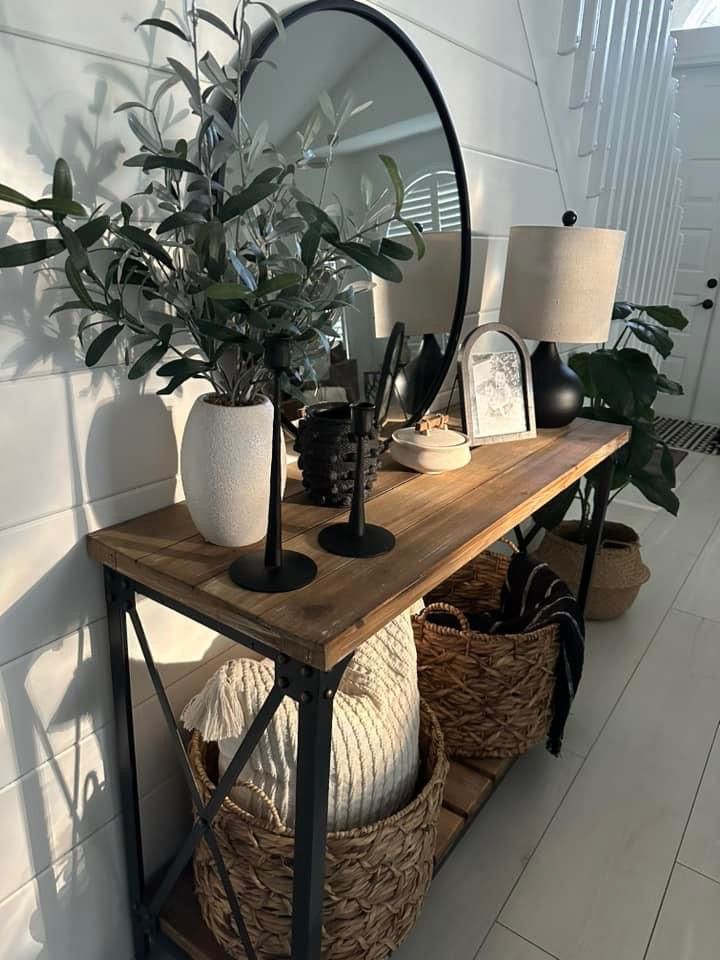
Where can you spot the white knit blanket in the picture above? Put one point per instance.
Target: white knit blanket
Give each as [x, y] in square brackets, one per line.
[375, 754]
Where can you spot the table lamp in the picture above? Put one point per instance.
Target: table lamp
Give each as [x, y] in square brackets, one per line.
[425, 304]
[560, 286]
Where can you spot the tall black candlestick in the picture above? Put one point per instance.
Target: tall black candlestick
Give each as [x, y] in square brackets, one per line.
[274, 570]
[357, 538]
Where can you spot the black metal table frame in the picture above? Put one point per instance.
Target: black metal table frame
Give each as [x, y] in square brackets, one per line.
[314, 691]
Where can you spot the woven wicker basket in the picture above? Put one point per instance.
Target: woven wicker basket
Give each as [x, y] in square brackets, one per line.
[618, 574]
[492, 693]
[376, 876]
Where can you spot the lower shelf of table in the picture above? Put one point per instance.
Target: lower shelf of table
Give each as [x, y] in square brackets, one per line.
[469, 785]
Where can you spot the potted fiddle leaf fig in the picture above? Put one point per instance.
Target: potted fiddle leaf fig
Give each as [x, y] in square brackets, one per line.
[621, 384]
[240, 254]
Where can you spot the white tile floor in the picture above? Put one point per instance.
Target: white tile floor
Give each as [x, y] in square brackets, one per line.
[613, 851]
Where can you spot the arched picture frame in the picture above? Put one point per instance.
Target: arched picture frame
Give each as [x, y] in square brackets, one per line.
[496, 386]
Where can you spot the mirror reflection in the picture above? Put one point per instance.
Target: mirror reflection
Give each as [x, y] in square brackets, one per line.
[343, 93]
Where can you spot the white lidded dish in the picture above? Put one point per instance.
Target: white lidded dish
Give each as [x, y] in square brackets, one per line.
[433, 450]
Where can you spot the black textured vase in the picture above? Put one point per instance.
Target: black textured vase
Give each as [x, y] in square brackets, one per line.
[327, 447]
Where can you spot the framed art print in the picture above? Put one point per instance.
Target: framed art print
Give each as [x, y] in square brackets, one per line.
[496, 386]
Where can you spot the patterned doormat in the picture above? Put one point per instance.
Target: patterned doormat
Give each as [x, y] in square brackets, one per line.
[686, 435]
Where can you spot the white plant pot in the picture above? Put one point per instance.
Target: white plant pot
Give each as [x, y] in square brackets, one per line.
[225, 466]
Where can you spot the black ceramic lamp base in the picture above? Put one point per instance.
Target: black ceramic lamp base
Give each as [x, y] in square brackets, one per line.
[340, 539]
[251, 572]
[557, 390]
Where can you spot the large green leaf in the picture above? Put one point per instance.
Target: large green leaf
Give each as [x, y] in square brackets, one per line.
[229, 291]
[396, 180]
[62, 188]
[273, 14]
[76, 282]
[90, 232]
[240, 203]
[282, 281]
[144, 241]
[652, 334]
[187, 78]
[416, 234]
[639, 451]
[622, 310]
[210, 247]
[395, 250]
[553, 513]
[212, 18]
[667, 465]
[624, 379]
[316, 217]
[9, 195]
[309, 245]
[146, 361]
[152, 161]
[374, 262]
[657, 490]
[666, 385]
[101, 343]
[179, 371]
[165, 25]
[60, 207]
[229, 335]
[667, 316]
[32, 251]
[177, 220]
[76, 251]
[580, 363]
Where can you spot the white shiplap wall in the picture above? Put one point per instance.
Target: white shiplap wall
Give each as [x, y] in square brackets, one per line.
[85, 449]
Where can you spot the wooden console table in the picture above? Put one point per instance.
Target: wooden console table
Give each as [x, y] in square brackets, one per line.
[440, 523]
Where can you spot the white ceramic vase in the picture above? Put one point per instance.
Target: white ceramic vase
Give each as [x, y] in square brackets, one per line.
[225, 466]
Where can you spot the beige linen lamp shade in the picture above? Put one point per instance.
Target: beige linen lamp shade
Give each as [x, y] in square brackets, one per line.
[561, 282]
[425, 300]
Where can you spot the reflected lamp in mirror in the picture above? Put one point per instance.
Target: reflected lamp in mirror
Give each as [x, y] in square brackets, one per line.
[560, 285]
[424, 304]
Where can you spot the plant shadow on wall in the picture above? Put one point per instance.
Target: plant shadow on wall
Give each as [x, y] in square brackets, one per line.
[56, 762]
[240, 255]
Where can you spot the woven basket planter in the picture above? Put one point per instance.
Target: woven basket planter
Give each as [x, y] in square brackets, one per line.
[328, 451]
[492, 693]
[619, 570]
[376, 877]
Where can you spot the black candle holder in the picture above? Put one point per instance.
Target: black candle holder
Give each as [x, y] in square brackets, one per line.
[356, 538]
[274, 570]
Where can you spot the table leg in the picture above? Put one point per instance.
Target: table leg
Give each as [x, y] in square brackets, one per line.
[119, 597]
[597, 521]
[311, 808]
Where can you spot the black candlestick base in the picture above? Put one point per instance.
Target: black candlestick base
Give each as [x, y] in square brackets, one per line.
[340, 539]
[295, 571]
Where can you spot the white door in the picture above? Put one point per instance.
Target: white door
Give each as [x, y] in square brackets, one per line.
[696, 360]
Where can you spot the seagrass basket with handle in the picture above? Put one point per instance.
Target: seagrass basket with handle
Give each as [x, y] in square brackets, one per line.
[492, 693]
[376, 876]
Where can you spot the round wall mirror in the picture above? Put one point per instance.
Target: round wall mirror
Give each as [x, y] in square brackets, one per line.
[345, 87]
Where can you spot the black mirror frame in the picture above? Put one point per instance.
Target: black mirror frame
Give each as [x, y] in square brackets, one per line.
[269, 35]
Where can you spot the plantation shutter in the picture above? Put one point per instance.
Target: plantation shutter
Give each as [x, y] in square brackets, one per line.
[431, 201]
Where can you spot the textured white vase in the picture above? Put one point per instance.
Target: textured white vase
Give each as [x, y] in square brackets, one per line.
[225, 466]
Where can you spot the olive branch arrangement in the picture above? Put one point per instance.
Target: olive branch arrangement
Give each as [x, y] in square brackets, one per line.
[240, 254]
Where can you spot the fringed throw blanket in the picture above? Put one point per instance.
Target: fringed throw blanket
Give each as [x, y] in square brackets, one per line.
[534, 597]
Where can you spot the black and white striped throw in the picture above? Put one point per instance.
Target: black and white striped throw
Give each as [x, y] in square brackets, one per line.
[534, 597]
